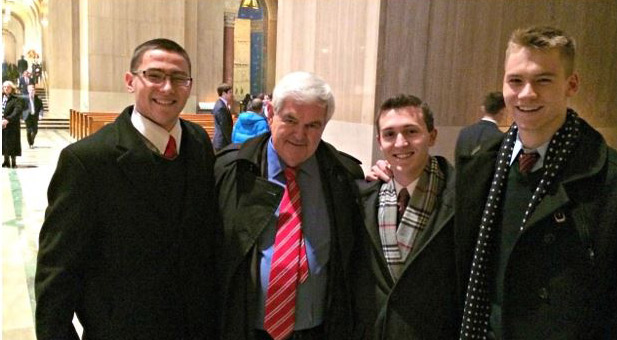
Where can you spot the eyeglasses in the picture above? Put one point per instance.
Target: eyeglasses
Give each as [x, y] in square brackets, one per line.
[158, 77]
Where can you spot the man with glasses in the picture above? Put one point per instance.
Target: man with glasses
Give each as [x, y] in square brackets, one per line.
[127, 242]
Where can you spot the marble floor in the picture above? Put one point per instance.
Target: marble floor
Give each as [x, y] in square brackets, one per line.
[24, 201]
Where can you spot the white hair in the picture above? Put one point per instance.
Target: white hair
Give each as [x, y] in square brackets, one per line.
[304, 87]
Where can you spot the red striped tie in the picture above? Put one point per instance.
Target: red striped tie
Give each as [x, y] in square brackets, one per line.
[289, 264]
[526, 161]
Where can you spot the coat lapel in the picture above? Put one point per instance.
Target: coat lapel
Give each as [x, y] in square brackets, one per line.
[443, 214]
[369, 193]
[136, 160]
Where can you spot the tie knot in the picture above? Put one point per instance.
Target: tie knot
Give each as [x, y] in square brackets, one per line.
[290, 173]
[170, 149]
[526, 161]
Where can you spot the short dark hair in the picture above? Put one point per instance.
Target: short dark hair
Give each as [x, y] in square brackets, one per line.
[256, 105]
[493, 103]
[224, 87]
[405, 100]
[158, 44]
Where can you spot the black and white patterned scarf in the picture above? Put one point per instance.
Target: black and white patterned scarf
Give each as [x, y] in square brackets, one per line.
[397, 243]
[477, 301]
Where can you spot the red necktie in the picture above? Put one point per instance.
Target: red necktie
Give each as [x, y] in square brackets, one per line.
[526, 161]
[289, 264]
[170, 149]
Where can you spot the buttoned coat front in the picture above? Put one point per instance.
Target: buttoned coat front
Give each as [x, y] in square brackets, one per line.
[561, 276]
[248, 203]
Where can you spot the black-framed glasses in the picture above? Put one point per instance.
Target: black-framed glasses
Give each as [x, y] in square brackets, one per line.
[158, 77]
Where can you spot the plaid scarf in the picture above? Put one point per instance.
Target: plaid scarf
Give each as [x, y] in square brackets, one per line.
[477, 301]
[397, 244]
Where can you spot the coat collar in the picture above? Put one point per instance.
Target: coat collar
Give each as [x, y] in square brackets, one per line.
[588, 159]
[443, 214]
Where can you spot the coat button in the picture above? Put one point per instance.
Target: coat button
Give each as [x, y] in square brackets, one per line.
[543, 293]
[549, 238]
[559, 217]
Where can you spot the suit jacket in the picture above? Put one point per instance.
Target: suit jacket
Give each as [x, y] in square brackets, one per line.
[423, 303]
[471, 137]
[11, 135]
[561, 278]
[111, 252]
[32, 119]
[23, 84]
[223, 125]
[249, 202]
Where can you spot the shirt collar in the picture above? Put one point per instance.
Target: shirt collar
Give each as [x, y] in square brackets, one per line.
[276, 166]
[410, 188]
[489, 119]
[224, 101]
[518, 146]
[156, 134]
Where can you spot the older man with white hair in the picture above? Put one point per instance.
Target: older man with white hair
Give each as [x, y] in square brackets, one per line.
[291, 223]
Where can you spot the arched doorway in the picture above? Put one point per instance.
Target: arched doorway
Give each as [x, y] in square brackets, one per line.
[254, 48]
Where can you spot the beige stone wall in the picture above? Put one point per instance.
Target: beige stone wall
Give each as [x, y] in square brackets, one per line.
[97, 39]
[338, 41]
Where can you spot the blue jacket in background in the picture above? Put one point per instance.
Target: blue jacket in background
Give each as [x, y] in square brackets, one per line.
[248, 125]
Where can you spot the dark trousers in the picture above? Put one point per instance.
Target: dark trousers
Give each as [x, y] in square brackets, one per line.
[32, 127]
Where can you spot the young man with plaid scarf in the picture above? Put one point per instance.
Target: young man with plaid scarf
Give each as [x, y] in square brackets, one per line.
[406, 277]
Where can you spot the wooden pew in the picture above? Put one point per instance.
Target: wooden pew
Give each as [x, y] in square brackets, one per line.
[88, 118]
[84, 124]
[206, 121]
[94, 121]
[72, 123]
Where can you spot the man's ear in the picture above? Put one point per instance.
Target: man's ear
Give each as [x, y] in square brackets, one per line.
[432, 137]
[128, 81]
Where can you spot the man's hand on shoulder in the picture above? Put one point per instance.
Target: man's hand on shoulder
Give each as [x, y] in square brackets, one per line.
[380, 171]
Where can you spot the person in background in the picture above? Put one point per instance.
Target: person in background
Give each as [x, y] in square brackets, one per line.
[250, 123]
[536, 212]
[470, 138]
[22, 65]
[128, 238]
[33, 110]
[12, 107]
[24, 81]
[223, 122]
[291, 226]
[268, 109]
[246, 101]
[407, 282]
[37, 71]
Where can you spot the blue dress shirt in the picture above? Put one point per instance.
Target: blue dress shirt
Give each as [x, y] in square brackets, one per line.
[311, 294]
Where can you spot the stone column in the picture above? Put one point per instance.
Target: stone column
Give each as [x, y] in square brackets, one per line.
[228, 48]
